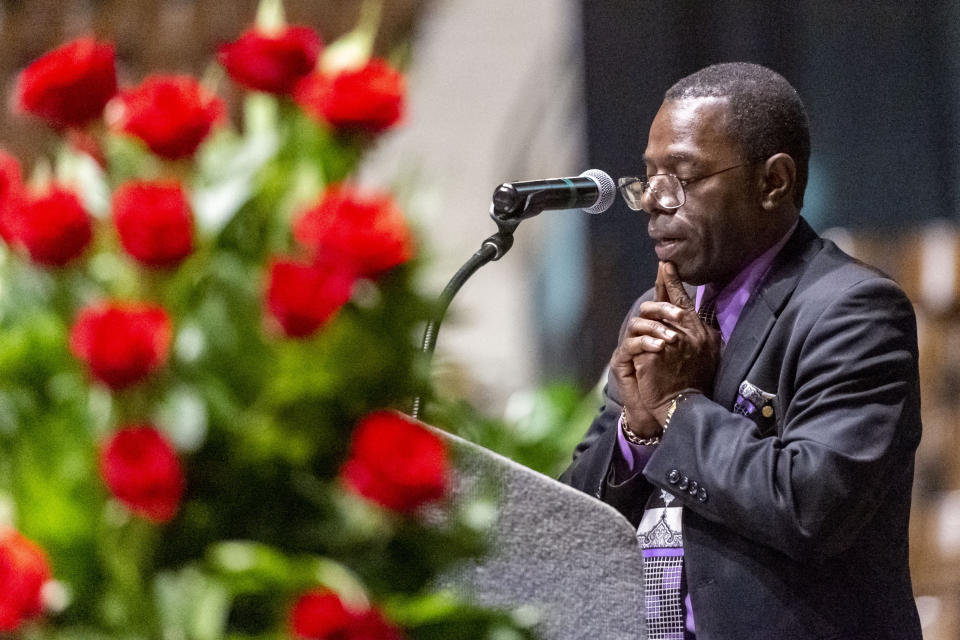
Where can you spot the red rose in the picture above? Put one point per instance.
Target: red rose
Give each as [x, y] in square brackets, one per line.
[172, 114]
[11, 195]
[368, 99]
[272, 62]
[141, 469]
[54, 227]
[396, 462]
[70, 85]
[121, 343]
[304, 296]
[321, 615]
[154, 222]
[363, 229]
[23, 571]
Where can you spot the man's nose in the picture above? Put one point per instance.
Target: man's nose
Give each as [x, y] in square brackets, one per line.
[649, 203]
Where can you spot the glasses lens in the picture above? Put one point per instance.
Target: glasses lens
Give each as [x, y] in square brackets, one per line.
[632, 191]
[664, 187]
[667, 190]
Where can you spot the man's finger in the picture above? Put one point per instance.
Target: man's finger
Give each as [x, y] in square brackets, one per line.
[643, 344]
[674, 286]
[632, 348]
[639, 326]
[660, 288]
[663, 312]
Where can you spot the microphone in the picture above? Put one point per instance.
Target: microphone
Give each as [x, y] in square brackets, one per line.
[593, 191]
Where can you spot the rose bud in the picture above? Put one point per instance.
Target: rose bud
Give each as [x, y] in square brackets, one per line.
[172, 114]
[366, 230]
[271, 62]
[302, 297]
[12, 195]
[154, 222]
[369, 99]
[24, 570]
[321, 615]
[142, 470]
[396, 462]
[121, 343]
[70, 85]
[54, 227]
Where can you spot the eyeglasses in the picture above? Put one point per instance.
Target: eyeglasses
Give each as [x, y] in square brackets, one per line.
[667, 189]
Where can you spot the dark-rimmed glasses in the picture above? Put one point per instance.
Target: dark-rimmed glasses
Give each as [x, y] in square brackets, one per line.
[667, 189]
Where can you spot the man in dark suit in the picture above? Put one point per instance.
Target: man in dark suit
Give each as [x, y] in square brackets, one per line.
[759, 430]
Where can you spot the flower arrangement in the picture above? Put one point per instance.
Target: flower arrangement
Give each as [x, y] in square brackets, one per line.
[203, 330]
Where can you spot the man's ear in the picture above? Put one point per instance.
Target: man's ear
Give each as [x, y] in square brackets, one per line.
[779, 180]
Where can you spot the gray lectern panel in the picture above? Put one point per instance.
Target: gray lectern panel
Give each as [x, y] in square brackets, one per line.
[572, 557]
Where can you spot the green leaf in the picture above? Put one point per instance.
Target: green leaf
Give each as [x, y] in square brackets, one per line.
[354, 48]
[540, 429]
[270, 18]
[191, 605]
[227, 171]
[445, 615]
[79, 169]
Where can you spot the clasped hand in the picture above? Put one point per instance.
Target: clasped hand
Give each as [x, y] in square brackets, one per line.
[665, 350]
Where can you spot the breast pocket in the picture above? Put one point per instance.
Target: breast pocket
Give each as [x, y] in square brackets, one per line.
[760, 406]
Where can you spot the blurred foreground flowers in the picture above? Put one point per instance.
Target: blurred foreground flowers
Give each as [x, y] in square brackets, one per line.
[202, 331]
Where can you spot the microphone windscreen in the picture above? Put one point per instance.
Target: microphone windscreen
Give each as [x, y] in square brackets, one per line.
[608, 190]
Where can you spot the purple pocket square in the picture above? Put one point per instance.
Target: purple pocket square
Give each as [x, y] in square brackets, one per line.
[751, 399]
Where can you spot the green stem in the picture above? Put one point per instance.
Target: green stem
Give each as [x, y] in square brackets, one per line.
[127, 555]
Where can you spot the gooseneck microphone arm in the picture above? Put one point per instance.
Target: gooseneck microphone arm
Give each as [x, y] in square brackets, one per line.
[513, 202]
[493, 248]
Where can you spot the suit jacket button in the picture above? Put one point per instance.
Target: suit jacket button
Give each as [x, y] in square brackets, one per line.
[693, 487]
[673, 476]
[702, 495]
[684, 483]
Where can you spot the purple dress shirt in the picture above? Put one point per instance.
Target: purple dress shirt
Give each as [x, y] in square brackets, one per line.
[730, 301]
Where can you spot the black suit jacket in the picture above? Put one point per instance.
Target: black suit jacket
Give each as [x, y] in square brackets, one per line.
[795, 524]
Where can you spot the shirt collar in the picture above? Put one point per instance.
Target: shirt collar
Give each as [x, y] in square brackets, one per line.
[733, 298]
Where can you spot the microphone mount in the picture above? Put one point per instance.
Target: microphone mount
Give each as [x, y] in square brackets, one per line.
[491, 249]
[513, 202]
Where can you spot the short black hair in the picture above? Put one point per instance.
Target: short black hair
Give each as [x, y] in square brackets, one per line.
[768, 116]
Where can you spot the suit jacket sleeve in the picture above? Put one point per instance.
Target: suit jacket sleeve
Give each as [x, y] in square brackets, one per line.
[592, 456]
[847, 426]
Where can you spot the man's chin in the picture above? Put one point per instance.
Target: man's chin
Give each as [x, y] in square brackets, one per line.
[689, 274]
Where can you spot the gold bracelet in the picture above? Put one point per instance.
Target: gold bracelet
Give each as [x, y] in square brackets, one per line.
[671, 409]
[631, 436]
[648, 442]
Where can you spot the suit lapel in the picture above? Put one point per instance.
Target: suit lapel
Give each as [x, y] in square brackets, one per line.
[761, 312]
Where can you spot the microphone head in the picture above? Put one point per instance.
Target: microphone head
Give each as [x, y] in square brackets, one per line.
[608, 190]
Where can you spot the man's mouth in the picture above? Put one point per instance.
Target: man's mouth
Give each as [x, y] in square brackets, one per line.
[666, 248]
